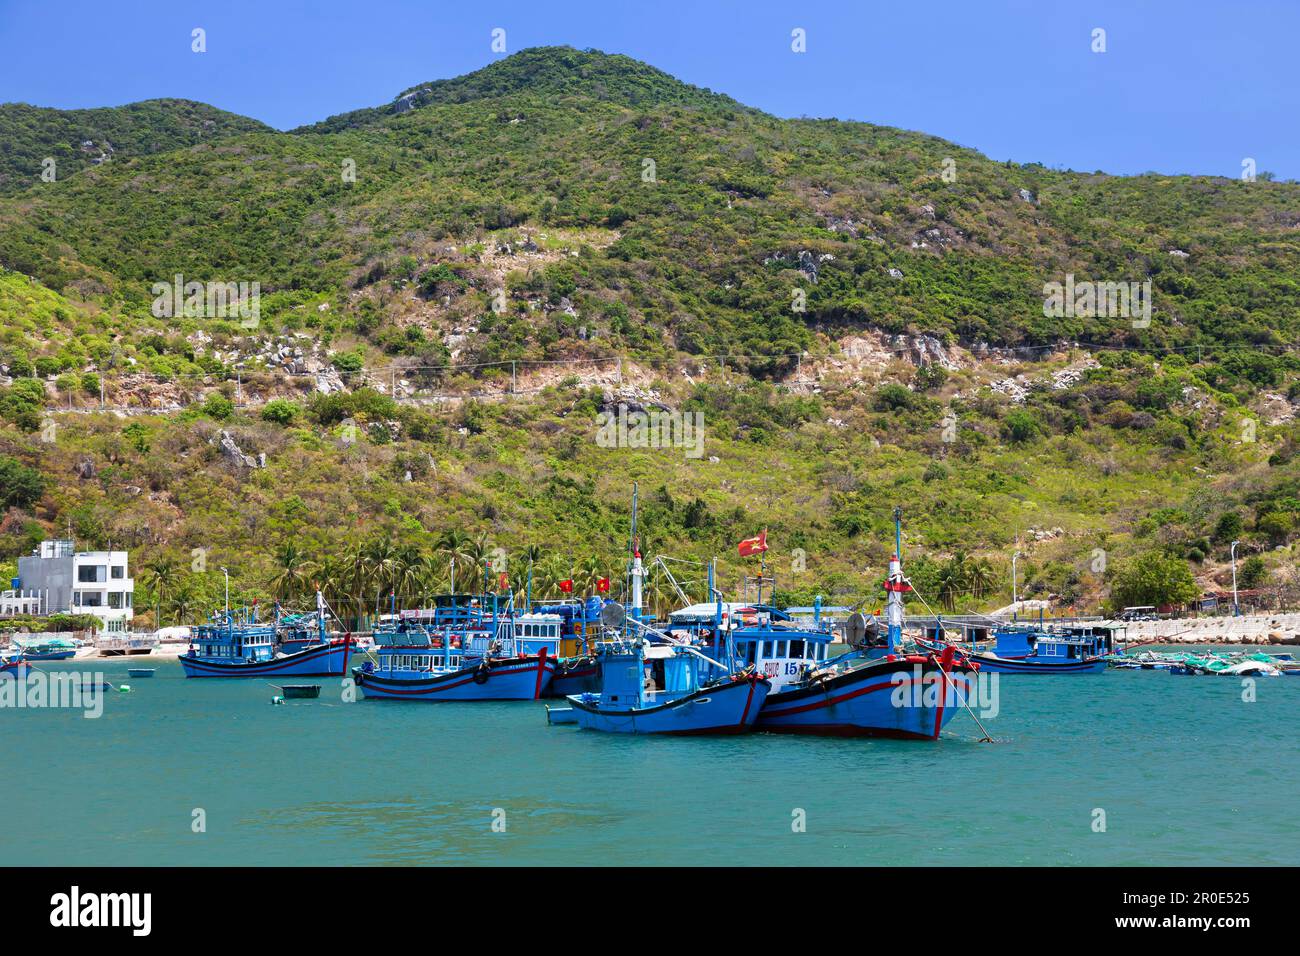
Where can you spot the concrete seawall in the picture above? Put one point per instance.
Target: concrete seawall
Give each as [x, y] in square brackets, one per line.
[1249, 629]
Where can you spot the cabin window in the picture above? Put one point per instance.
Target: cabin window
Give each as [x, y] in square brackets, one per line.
[796, 648]
[782, 649]
[768, 647]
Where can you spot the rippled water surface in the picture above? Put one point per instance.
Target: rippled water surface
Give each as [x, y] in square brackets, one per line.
[1185, 771]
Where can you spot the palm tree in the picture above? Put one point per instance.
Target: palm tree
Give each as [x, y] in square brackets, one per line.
[290, 578]
[408, 574]
[531, 555]
[184, 602]
[381, 562]
[982, 577]
[547, 578]
[160, 575]
[452, 545]
[585, 575]
[476, 553]
[326, 575]
[952, 580]
[356, 574]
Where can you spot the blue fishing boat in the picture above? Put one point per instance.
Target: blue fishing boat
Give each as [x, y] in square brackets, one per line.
[1069, 649]
[413, 661]
[46, 648]
[876, 689]
[632, 702]
[652, 682]
[236, 644]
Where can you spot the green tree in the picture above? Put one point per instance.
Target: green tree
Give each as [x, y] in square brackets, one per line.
[1153, 578]
[20, 486]
[1228, 527]
[1252, 572]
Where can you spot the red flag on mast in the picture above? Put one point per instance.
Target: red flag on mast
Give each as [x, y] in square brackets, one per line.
[753, 545]
[567, 586]
[602, 585]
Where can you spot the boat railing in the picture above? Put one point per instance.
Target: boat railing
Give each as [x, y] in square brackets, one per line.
[676, 642]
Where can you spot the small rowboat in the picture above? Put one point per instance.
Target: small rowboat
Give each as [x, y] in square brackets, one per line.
[301, 691]
[140, 671]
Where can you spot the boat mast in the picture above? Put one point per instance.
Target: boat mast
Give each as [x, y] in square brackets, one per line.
[895, 586]
[637, 571]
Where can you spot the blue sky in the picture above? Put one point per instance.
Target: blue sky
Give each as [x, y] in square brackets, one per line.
[1192, 86]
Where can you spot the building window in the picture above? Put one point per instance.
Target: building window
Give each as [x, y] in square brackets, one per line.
[119, 572]
[90, 573]
[115, 599]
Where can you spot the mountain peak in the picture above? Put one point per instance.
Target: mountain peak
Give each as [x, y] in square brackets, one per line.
[557, 72]
[565, 70]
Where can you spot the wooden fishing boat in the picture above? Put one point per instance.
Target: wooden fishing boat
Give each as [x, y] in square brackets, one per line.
[412, 662]
[876, 690]
[1037, 650]
[140, 671]
[47, 649]
[237, 645]
[630, 702]
[652, 682]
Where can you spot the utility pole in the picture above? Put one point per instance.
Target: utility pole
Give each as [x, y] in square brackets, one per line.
[1236, 606]
[1013, 581]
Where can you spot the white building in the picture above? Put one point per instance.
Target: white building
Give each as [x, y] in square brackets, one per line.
[57, 579]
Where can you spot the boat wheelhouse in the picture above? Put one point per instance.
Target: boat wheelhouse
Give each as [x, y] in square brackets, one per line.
[775, 643]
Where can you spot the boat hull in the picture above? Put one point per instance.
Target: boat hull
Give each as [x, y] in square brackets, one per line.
[730, 708]
[1002, 665]
[50, 655]
[905, 699]
[575, 677]
[324, 660]
[514, 678]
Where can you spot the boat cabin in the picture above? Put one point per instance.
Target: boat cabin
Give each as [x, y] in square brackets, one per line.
[1057, 642]
[231, 639]
[412, 648]
[637, 674]
[773, 641]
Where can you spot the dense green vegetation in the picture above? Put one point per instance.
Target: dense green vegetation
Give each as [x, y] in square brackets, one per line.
[77, 139]
[561, 207]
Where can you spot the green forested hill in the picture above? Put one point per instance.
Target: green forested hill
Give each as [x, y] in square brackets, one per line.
[560, 208]
[79, 139]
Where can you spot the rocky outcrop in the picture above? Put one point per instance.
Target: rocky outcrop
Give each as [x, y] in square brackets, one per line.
[231, 451]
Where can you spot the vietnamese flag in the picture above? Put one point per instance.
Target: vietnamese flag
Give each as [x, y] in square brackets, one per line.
[567, 586]
[753, 545]
[602, 585]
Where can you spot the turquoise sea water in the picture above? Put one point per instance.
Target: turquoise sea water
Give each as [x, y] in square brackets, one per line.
[1186, 772]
